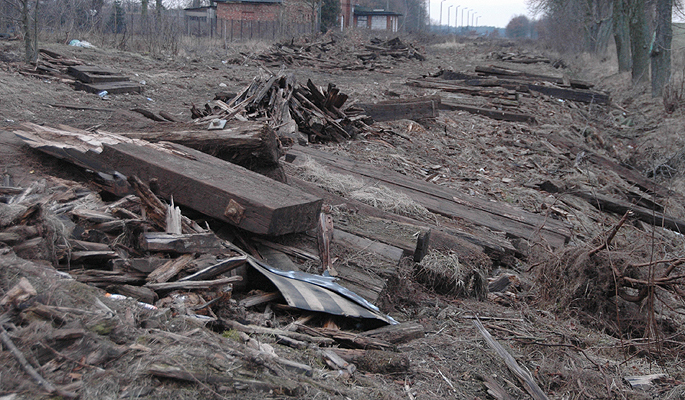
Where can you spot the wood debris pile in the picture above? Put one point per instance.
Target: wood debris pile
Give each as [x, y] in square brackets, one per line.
[338, 53]
[53, 64]
[289, 108]
[159, 270]
[90, 78]
[496, 92]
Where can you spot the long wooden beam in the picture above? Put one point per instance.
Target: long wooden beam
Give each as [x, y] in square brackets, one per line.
[494, 114]
[415, 108]
[197, 180]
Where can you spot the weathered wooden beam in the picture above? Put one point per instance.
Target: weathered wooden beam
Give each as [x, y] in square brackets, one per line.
[470, 248]
[584, 96]
[414, 109]
[494, 114]
[118, 87]
[516, 74]
[494, 215]
[447, 86]
[606, 203]
[629, 174]
[413, 239]
[197, 180]
[357, 242]
[244, 143]
[94, 74]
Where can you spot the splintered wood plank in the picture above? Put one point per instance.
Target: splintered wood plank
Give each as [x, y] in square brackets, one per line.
[180, 243]
[482, 212]
[416, 108]
[196, 180]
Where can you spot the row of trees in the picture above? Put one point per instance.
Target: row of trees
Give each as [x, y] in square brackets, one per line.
[641, 30]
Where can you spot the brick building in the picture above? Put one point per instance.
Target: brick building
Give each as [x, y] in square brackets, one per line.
[259, 19]
[356, 16]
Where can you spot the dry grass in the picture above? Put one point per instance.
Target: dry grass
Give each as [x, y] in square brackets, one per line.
[444, 273]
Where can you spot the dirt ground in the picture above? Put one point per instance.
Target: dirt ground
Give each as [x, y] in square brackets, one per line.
[570, 348]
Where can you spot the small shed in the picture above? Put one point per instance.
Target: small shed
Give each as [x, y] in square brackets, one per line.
[376, 19]
[200, 21]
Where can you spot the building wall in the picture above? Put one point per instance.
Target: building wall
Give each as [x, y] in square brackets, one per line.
[244, 21]
[248, 11]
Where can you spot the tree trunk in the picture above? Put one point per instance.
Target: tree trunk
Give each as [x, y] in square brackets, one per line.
[639, 41]
[30, 35]
[661, 50]
[622, 35]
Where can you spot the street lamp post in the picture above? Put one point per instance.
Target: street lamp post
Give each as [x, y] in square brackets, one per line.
[468, 21]
[441, 3]
[462, 17]
[456, 19]
[449, 9]
[473, 18]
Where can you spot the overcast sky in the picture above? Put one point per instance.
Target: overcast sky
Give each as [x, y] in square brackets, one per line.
[492, 12]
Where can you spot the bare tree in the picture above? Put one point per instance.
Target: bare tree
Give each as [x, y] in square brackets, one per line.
[576, 25]
[24, 13]
[622, 35]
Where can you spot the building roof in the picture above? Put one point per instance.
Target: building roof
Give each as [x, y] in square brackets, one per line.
[203, 8]
[359, 10]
